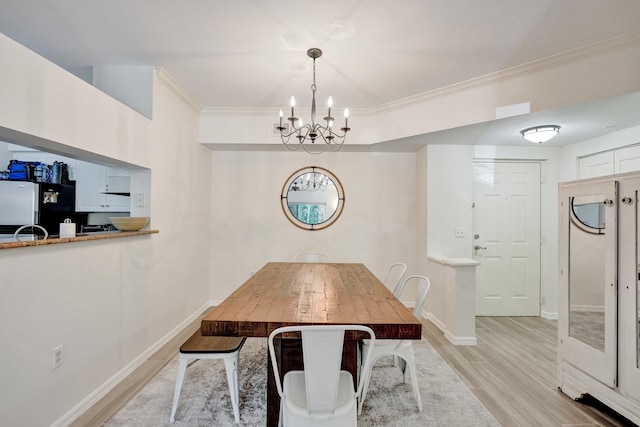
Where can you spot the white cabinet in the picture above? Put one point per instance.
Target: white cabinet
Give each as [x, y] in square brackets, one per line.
[616, 161]
[598, 316]
[101, 189]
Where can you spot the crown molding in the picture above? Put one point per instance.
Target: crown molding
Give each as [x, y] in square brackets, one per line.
[575, 55]
[167, 79]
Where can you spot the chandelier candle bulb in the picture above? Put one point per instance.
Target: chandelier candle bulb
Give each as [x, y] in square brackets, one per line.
[280, 118]
[293, 104]
[329, 104]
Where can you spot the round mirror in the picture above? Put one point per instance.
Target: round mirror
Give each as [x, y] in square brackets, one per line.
[312, 198]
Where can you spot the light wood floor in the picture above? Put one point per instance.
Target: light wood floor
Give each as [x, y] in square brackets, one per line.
[512, 372]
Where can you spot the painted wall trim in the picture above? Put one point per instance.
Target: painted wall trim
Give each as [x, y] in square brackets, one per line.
[447, 334]
[167, 79]
[453, 262]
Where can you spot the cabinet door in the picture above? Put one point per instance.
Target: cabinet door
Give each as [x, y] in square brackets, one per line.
[91, 183]
[629, 298]
[117, 203]
[587, 326]
[600, 164]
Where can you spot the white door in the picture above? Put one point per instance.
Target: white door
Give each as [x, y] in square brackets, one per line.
[506, 238]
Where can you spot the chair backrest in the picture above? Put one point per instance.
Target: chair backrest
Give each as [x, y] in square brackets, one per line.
[421, 295]
[395, 276]
[311, 257]
[322, 357]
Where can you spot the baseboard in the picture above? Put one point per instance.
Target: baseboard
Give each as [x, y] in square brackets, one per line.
[448, 335]
[549, 315]
[435, 321]
[85, 404]
[460, 340]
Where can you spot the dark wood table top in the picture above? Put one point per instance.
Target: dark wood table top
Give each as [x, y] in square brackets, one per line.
[287, 293]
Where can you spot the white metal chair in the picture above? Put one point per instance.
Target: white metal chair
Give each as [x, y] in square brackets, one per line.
[403, 349]
[395, 275]
[210, 347]
[322, 394]
[311, 257]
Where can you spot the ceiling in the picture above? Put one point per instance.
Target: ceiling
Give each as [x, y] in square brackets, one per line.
[252, 54]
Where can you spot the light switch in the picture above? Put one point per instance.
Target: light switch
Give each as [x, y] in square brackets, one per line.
[459, 231]
[139, 198]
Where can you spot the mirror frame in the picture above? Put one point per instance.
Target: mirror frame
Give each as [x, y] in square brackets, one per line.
[284, 198]
[579, 222]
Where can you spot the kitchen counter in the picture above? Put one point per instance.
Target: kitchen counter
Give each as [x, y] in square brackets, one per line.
[79, 238]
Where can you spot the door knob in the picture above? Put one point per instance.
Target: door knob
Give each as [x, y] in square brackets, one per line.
[478, 247]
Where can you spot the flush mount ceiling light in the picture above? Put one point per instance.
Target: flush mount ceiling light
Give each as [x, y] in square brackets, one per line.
[328, 139]
[540, 134]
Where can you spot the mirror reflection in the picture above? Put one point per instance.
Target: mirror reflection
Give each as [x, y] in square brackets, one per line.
[312, 198]
[587, 270]
[588, 214]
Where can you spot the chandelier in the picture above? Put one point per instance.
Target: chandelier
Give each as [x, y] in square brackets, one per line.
[328, 139]
[312, 181]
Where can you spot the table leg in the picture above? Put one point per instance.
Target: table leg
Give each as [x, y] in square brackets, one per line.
[273, 400]
[350, 359]
[289, 357]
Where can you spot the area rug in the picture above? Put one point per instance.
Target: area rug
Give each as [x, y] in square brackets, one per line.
[204, 400]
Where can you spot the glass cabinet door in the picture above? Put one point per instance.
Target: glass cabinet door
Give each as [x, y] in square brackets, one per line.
[588, 277]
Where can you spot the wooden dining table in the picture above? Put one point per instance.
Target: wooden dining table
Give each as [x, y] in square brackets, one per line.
[288, 293]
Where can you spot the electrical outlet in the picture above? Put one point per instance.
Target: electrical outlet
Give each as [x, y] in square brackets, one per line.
[56, 357]
[459, 231]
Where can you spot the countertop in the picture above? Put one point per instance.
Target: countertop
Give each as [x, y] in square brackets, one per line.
[79, 238]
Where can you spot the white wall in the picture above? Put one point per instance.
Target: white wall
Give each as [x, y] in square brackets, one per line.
[107, 302]
[248, 227]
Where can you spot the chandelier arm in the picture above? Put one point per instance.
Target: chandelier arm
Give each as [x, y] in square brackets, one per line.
[332, 135]
[291, 146]
[306, 149]
[333, 143]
